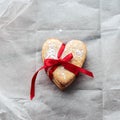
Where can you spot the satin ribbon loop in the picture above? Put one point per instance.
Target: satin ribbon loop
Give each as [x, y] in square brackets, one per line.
[68, 57]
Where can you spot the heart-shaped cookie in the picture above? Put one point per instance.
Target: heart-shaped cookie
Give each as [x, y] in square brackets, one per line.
[61, 76]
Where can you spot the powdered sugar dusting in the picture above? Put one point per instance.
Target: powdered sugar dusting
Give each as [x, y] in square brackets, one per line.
[62, 73]
[79, 53]
[51, 52]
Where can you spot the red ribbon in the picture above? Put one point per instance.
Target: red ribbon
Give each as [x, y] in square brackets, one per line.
[54, 63]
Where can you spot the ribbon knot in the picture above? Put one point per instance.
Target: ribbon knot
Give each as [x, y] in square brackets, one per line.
[54, 63]
[60, 61]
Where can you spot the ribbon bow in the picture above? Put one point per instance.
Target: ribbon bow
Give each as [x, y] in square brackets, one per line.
[54, 63]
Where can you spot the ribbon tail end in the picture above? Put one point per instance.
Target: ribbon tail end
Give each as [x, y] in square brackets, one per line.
[31, 97]
[92, 75]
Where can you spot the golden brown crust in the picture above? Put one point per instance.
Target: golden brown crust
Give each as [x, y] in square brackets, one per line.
[62, 77]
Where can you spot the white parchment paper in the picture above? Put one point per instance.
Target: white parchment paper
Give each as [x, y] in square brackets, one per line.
[25, 25]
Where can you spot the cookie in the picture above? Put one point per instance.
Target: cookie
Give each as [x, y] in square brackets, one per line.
[61, 76]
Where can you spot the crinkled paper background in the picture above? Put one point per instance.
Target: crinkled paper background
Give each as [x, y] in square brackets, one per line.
[25, 25]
